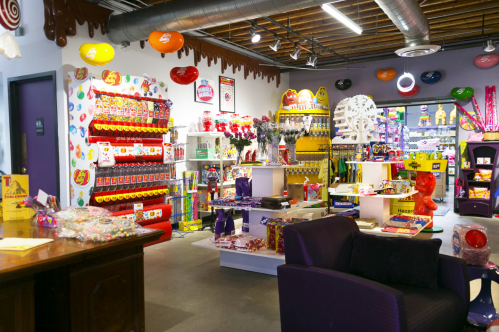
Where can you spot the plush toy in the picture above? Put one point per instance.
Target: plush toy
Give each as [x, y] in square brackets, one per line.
[424, 117]
[452, 116]
[424, 205]
[440, 115]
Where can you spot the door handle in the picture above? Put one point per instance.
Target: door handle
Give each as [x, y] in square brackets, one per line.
[23, 170]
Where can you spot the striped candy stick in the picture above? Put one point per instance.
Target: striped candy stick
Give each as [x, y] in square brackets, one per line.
[478, 112]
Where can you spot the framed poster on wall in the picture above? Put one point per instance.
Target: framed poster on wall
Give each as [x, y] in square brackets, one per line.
[227, 88]
[204, 91]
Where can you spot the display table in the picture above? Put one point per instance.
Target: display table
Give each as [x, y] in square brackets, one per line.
[267, 181]
[74, 285]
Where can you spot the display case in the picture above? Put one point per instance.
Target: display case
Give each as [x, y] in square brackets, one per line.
[116, 129]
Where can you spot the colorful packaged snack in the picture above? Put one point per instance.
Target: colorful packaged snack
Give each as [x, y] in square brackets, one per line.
[138, 114]
[98, 107]
[145, 111]
[155, 119]
[119, 108]
[113, 110]
[150, 114]
[271, 235]
[132, 104]
[126, 109]
[486, 174]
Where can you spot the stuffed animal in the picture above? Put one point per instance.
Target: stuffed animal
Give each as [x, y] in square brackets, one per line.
[452, 115]
[424, 205]
[440, 115]
[424, 117]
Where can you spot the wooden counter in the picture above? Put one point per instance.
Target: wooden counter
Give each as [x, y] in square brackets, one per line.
[69, 285]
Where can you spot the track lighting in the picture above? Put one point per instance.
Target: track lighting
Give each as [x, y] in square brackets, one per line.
[312, 60]
[255, 37]
[296, 54]
[489, 46]
[341, 17]
[275, 46]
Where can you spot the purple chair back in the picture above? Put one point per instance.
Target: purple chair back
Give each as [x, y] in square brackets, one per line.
[325, 243]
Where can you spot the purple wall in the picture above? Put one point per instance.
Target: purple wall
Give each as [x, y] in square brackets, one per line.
[457, 68]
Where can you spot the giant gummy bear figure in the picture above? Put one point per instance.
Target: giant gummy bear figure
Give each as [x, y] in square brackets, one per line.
[425, 184]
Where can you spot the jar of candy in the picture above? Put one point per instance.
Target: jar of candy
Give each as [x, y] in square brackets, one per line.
[207, 121]
[247, 123]
[235, 123]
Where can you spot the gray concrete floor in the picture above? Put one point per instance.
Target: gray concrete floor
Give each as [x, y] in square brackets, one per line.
[187, 290]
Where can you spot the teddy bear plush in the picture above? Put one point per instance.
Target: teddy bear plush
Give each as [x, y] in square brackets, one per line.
[424, 205]
[440, 115]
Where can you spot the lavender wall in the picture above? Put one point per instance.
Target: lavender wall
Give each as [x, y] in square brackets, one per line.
[457, 68]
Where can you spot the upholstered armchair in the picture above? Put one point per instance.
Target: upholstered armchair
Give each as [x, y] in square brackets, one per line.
[317, 292]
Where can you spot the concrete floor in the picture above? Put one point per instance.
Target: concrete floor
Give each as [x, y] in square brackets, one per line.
[187, 290]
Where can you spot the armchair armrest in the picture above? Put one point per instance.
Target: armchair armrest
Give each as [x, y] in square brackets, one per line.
[316, 299]
[453, 275]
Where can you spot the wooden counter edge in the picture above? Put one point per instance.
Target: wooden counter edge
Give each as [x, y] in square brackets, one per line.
[84, 254]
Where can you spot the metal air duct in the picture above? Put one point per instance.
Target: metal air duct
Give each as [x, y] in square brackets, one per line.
[186, 15]
[411, 21]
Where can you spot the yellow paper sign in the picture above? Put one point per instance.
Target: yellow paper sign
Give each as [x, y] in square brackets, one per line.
[15, 188]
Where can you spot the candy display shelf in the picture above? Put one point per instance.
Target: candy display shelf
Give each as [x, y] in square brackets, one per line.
[376, 206]
[433, 127]
[216, 160]
[267, 181]
[205, 134]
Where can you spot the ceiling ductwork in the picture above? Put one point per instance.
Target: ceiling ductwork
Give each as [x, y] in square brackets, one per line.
[409, 18]
[187, 15]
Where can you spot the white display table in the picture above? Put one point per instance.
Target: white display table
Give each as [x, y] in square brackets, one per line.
[267, 181]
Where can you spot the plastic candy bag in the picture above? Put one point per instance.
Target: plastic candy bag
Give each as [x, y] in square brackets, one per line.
[470, 242]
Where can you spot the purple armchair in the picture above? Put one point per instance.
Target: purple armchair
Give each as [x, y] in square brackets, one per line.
[317, 293]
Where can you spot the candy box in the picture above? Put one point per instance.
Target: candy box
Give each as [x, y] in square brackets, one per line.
[470, 242]
[312, 192]
[45, 218]
[186, 226]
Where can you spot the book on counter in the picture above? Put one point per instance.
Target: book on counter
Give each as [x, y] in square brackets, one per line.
[406, 223]
[366, 223]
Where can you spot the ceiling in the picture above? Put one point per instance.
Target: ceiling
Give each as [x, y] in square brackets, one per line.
[452, 22]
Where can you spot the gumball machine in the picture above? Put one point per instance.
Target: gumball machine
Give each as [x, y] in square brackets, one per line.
[247, 123]
[235, 123]
[212, 177]
[207, 121]
[218, 121]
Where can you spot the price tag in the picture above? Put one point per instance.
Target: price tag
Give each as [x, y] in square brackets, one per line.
[246, 208]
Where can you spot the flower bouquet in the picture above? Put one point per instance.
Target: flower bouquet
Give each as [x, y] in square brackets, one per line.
[290, 138]
[273, 136]
[240, 141]
[261, 135]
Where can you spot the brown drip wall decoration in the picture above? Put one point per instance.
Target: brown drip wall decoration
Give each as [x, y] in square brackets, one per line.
[61, 17]
[212, 53]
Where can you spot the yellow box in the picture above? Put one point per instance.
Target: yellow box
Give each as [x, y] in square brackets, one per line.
[426, 165]
[402, 206]
[15, 188]
[190, 225]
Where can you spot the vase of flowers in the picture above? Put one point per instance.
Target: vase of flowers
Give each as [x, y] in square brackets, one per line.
[261, 127]
[290, 138]
[273, 137]
[240, 141]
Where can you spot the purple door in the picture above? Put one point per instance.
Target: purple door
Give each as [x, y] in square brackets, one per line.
[37, 146]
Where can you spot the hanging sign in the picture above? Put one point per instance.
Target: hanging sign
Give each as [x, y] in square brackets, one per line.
[204, 91]
[111, 77]
[305, 100]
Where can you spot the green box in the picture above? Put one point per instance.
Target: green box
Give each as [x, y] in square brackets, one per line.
[205, 153]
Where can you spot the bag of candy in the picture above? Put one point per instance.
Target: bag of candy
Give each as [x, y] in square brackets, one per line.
[470, 242]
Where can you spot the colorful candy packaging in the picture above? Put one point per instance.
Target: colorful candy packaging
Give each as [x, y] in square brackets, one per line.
[271, 235]
[145, 111]
[470, 242]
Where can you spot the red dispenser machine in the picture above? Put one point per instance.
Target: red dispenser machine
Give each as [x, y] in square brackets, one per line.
[116, 129]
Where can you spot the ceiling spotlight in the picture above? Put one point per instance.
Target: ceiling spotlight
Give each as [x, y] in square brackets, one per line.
[341, 17]
[489, 46]
[255, 37]
[312, 60]
[275, 46]
[296, 54]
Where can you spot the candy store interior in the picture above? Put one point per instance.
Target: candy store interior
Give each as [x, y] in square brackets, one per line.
[198, 168]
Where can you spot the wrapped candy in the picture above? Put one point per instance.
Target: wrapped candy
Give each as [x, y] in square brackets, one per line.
[470, 242]
[241, 242]
[93, 224]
